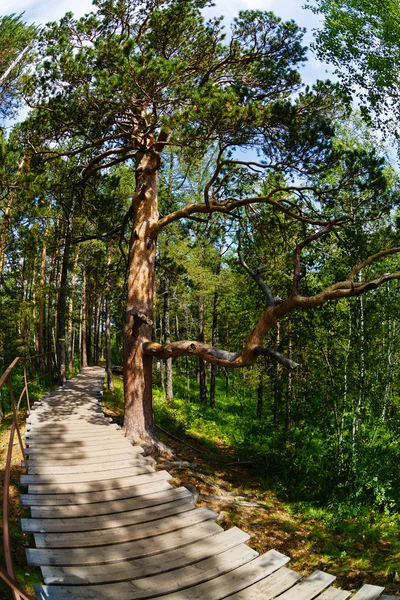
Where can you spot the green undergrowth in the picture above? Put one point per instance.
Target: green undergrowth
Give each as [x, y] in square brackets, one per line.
[353, 541]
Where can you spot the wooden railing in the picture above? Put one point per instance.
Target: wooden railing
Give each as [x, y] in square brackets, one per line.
[8, 574]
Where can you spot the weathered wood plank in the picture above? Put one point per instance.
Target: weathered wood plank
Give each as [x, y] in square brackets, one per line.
[152, 483]
[333, 594]
[368, 592]
[111, 456]
[271, 586]
[93, 486]
[185, 516]
[158, 498]
[105, 443]
[86, 477]
[73, 455]
[239, 579]
[118, 552]
[69, 451]
[166, 583]
[103, 522]
[91, 467]
[309, 588]
[150, 565]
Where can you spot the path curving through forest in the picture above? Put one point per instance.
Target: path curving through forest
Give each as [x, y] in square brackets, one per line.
[107, 525]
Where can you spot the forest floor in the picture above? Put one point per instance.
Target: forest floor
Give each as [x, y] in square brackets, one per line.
[357, 549]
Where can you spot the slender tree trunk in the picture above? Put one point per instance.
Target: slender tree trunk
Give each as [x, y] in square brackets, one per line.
[49, 327]
[84, 356]
[138, 420]
[187, 378]
[260, 390]
[89, 321]
[42, 301]
[289, 390]
[202, 365]
[62, 303]
[71, 316]
[214, 338]
[360, 394]
[4, 228]
[167, 338]
[108, 323]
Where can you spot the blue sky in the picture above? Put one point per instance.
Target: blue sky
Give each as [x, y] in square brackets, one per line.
[42, 11]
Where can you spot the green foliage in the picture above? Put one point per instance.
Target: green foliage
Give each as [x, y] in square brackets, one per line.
[15, 36]
[362, 39]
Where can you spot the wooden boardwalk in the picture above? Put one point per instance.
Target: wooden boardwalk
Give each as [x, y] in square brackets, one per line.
[107, 525]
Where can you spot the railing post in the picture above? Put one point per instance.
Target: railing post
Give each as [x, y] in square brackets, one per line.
[15, 420]
[6, 503]
[26, 388]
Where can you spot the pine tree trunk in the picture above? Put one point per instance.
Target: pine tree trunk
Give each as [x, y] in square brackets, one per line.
[162, 362]
[108, 324]
[62, 304]
[169, 392]
[138, 420]
[214, 336]
[202, 365]
[42, 301]
[84, 357]
[4, 228]
[70, 317]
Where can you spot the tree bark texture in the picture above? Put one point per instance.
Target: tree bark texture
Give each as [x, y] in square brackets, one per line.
[62, 304]
[108, 324]
[202, 365]
[84, 356]
[169, 392]
[138, 420]
[71, 317]
[214, 341]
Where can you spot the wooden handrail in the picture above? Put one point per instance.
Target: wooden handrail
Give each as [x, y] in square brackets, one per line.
[8, 574]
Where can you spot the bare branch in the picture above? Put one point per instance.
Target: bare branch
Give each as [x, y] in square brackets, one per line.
[257, 277]
[371, 259]
[214, 355]
[229, 204]
[311, 238]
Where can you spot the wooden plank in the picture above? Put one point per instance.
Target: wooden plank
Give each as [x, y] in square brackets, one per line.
[47, 463]
[131, 517]
[271, 586]
[223, 586]
[106, 442]
[333, 594]
[93, 486]
[158, 498]
[150, 565]
[101, 555]
[369, 592]
[310, 587]
[73, 455]
[71, 428]
[71, 478]
[80, 441]
[154, 482]
[91, 467]
[74, 451]
[121, 533]
[165, 583]
[77, 437]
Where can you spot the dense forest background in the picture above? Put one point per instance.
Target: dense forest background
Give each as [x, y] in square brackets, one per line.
[326, 431]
